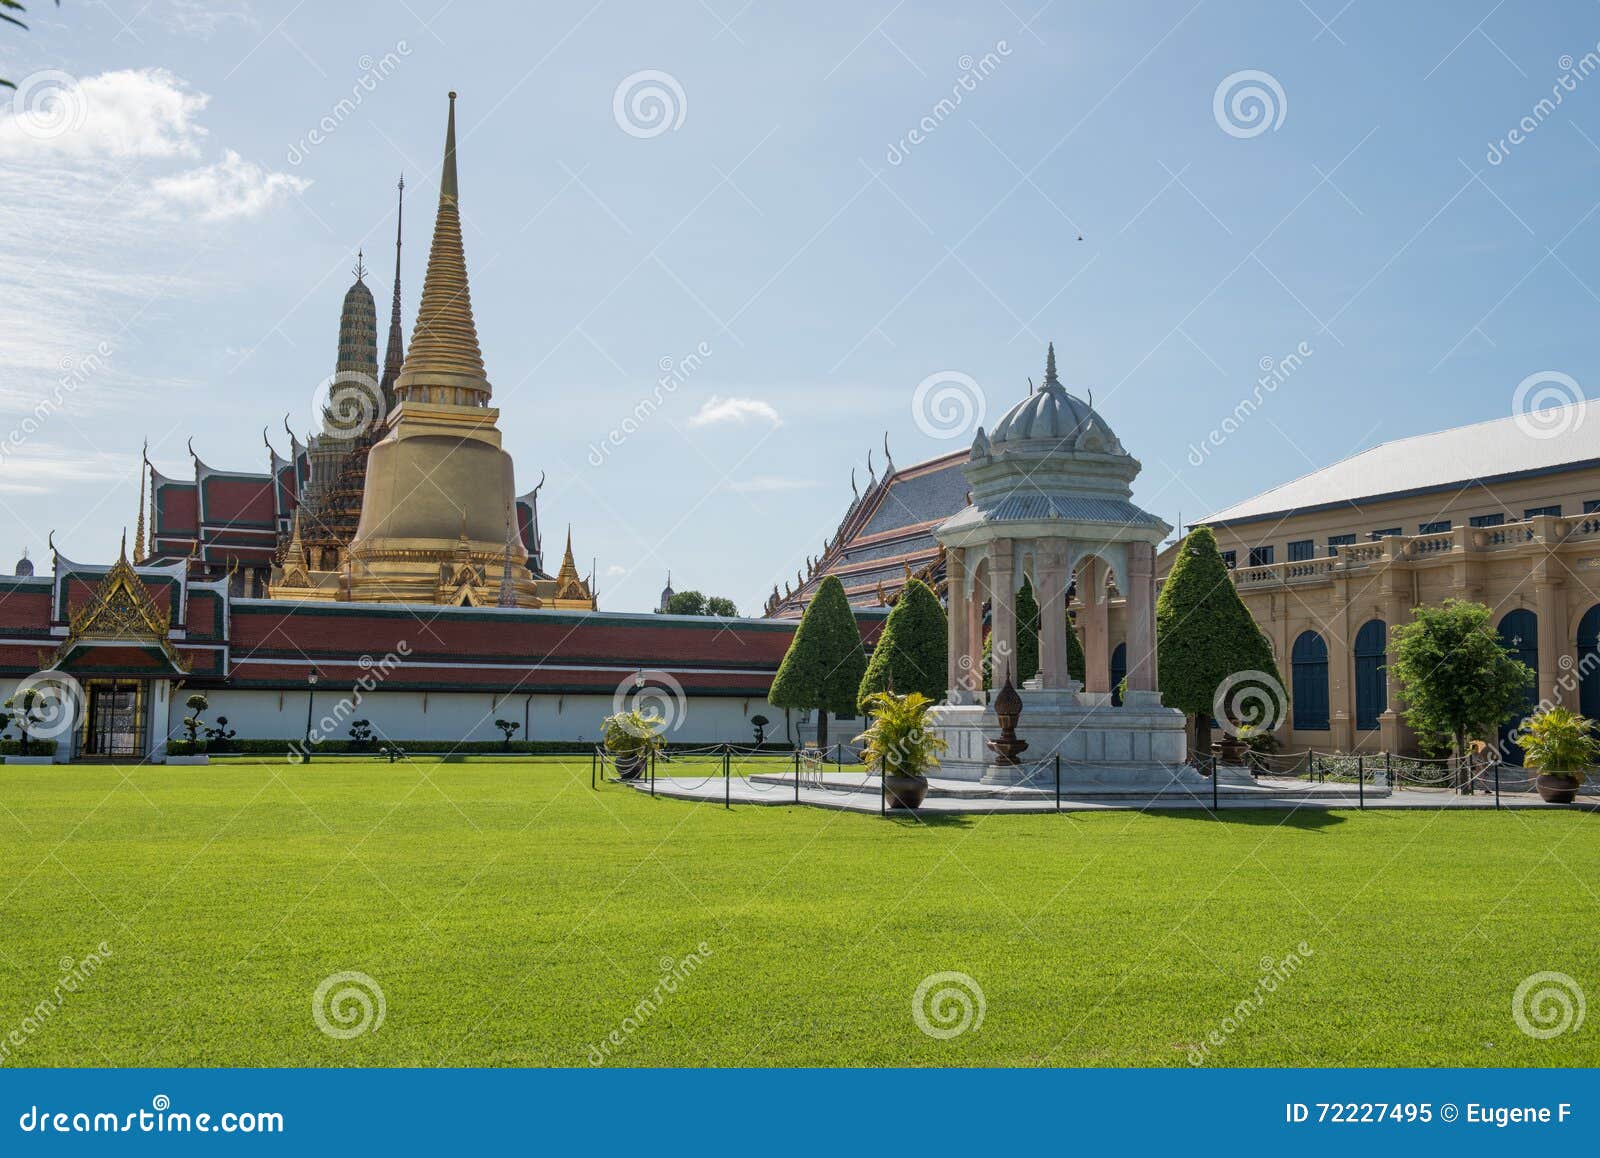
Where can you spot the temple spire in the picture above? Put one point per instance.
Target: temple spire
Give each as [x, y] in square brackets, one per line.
[395, 354]
[1050, 367]
[445, 359]
[138, 531]
[508, 589]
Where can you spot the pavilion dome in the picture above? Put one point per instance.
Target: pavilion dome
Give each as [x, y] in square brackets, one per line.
[24, 565]
[1051, 413]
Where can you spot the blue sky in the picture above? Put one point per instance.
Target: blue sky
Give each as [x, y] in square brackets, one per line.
[181, 245]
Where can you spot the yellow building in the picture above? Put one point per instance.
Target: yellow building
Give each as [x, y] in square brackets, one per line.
[1504, 513]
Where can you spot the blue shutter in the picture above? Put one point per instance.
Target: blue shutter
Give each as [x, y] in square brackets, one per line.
[1372, 689]
[1309, 663]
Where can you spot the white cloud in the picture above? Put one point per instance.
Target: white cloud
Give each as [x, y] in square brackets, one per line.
[614, 570]
[716, 410]
[230, 188]
[36, 468]
[766, 483]
[125, 115]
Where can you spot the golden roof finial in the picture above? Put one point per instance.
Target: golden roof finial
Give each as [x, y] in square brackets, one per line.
[444, 342]
[138, 533]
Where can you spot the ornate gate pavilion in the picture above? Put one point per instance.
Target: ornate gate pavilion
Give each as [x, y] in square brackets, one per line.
[1051, 500]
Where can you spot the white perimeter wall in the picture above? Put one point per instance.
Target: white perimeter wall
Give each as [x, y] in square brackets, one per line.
[267, 715]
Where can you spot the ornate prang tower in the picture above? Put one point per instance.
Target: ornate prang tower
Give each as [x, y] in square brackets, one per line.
[438, 484]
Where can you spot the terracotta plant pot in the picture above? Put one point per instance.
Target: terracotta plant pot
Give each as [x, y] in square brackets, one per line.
[905, 791]
[1557, 788]
[1229, 750]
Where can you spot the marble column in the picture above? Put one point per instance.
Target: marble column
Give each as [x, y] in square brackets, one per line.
[1094, 617]
[958, 664]
[1141, 596]
[1052, 567]
[1002, 611]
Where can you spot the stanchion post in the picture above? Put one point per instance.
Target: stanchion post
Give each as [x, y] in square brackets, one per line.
[1497, 785]
[727, 780]
[797, 775]
[652, 773]
[594, 758]
[1058, 781]
[1213, 784]
[1361, 781]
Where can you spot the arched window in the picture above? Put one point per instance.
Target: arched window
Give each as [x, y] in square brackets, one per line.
[1519, 633]
[1372, 689]
[1589, 663]
[1119, 670]
[1309, 660]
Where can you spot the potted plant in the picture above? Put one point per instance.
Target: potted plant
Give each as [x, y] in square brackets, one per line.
[631, 737]
[1560, 744]
[899, 746]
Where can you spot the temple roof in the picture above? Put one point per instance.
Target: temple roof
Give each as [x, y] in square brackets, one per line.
[886, 534]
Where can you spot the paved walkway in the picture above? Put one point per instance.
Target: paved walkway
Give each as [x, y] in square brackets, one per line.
[859, 793]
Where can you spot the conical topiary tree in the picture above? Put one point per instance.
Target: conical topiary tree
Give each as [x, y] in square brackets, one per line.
[825, 662]
[910, 654]
[1205, 634]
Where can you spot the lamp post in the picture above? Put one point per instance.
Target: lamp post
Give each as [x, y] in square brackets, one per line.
[311, 698]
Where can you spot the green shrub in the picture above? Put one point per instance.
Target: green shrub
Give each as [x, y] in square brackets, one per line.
[35, 748]
[910, 655]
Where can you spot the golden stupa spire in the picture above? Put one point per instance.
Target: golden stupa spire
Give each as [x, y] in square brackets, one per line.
[444, 354]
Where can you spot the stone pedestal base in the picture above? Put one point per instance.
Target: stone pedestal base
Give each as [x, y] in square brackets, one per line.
[1139, 746]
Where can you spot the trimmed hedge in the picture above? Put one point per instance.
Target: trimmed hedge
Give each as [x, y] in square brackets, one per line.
[35, 748]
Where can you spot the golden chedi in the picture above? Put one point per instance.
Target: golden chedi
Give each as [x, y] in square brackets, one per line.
[438, 484]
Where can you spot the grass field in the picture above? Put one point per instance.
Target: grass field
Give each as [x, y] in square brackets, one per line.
[511, 916]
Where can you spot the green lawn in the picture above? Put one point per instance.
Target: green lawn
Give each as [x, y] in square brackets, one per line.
[511, 916]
